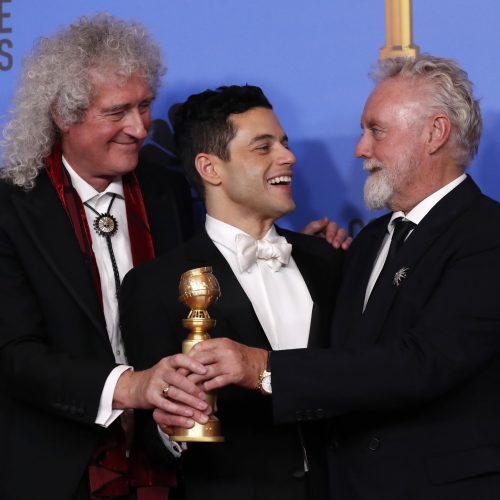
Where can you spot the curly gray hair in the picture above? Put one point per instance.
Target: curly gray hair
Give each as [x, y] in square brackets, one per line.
[56, 80]
[451, 94]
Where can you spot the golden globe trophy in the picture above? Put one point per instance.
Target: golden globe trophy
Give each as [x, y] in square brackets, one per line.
[198, 289]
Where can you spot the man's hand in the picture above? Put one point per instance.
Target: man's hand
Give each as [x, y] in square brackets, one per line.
[228, 362]
[163, 387]
[324, 228]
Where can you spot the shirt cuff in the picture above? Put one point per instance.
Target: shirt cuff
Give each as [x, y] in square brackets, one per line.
[105, 413]
[172, 446]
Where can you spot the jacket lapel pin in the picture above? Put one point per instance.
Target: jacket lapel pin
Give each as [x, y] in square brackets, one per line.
[400, 275]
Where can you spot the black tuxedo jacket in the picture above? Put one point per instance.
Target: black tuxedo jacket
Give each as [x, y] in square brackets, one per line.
[54, 350]
[414, 380]
[257, 460]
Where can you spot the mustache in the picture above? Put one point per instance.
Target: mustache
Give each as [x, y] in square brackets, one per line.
[372, 164]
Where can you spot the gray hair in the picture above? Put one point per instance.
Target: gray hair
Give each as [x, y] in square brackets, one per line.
[56, 80]
[451, 94]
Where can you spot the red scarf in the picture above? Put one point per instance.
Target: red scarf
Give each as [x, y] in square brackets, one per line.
[112, 472]
[141, 243]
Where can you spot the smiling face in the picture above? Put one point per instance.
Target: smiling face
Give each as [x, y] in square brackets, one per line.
[253, 188]
[393, 145]
[106, 141]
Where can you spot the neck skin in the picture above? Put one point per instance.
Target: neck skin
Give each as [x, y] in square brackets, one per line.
[433, 175]
[244, 220]
[99, 183]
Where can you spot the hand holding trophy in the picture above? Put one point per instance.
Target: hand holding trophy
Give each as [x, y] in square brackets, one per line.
[198, 289]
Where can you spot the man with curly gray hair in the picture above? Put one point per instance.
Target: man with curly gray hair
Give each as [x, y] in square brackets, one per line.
[411, 382]
[75, 217]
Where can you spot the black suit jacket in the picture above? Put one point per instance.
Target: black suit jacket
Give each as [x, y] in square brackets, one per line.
[414, 380]
[258, 459]
[54, 350]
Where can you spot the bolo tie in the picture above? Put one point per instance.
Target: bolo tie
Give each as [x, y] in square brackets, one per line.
[106, 225]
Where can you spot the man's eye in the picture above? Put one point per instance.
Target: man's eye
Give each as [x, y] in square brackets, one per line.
[263, 147]
[377, 132]
[116, 115]
[144, 107]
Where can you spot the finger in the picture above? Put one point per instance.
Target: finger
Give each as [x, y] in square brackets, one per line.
[166, 429]
[186, 362]
[182, 371]
[179, 396]
[331, 231]
[165, 375]
[196, 379]
[316, 226]
[207, 356]
[217, 382]
[164, 419]
[339, 237]
[176, 408]
[347, 243]
[220, 344]
[167, 421]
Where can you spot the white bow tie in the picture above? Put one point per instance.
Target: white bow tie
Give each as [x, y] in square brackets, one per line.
[274, 251]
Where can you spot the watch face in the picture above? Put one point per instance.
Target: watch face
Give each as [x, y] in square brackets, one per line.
[266, 384]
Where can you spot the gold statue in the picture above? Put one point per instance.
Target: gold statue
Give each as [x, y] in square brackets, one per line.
[198, 289]
[398, 30]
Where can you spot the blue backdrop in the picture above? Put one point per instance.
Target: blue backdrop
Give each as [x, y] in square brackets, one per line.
[312, 60]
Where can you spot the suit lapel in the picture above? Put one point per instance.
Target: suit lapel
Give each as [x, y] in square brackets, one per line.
[358, 268]
[48, 225]
[434, 224]
[313, 275]
[234, 307]
[315, 284]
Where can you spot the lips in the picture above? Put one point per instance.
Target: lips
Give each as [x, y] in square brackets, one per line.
[129, 144]
[372, 166]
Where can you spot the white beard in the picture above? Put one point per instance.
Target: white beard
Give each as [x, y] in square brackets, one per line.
[381, 184]
[378, 188]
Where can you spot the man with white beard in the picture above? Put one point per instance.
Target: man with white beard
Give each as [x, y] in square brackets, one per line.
[411, 382]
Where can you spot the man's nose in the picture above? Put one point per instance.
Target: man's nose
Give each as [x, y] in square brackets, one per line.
[137, 124]
[287, 157]
[363, 148]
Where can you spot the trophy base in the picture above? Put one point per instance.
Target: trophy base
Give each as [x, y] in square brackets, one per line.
[200, 433]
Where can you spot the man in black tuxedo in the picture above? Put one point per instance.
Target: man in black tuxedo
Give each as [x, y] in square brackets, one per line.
[411, 382]
[277, 291]
[74, 219]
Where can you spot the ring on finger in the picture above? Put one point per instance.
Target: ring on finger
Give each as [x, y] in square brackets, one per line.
[165, 391]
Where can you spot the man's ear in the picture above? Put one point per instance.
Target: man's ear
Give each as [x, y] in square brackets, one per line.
[207, 166]
[59, 123]
[439, 133]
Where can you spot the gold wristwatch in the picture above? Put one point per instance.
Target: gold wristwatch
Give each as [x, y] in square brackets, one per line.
[264, 383]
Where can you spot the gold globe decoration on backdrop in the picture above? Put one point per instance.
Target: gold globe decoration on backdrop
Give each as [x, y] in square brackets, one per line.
[398, 30]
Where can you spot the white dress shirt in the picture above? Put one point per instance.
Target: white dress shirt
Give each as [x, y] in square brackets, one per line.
[123, 255]
[281, 299]
[106, 415]
[415, 215]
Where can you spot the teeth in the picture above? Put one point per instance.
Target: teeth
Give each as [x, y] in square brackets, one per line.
[284, 179]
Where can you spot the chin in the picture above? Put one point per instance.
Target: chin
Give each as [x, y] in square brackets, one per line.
[127, 165]
[286, 210]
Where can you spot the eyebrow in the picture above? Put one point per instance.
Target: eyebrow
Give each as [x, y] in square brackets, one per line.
[371, 123]
[116, 107]
[125, 105]
[263, 137]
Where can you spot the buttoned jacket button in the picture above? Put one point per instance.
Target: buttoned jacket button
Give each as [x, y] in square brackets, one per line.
[298, 474]
[374, 444]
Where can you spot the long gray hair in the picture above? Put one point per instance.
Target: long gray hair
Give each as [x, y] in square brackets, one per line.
[56, 81]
